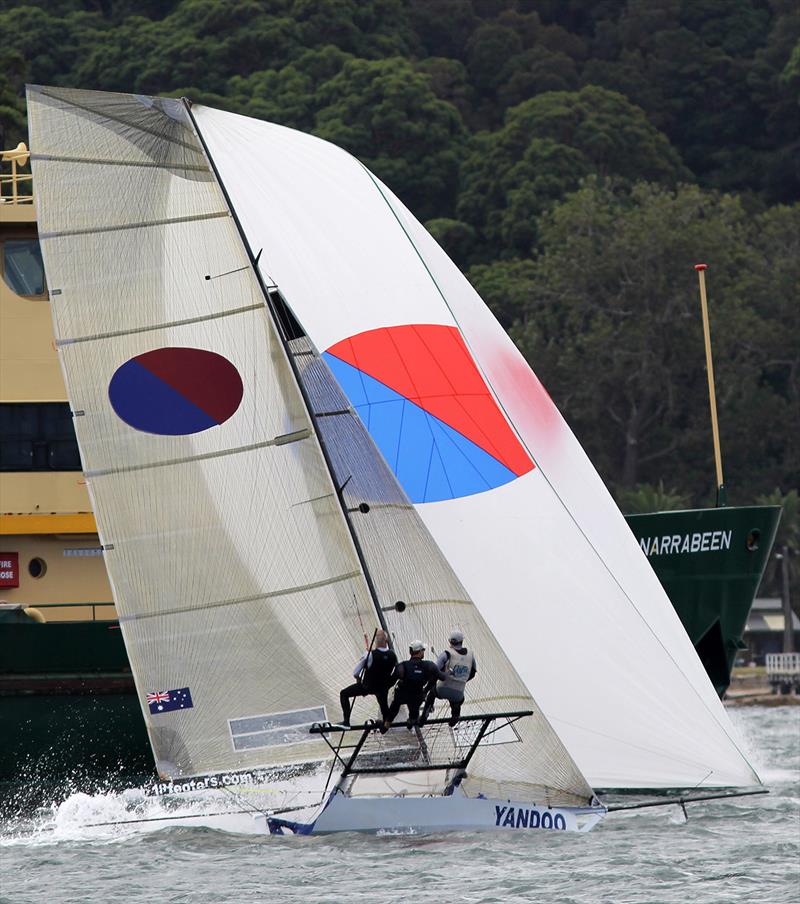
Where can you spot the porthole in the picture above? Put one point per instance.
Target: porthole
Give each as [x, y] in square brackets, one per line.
[753, 539]
[37, 567]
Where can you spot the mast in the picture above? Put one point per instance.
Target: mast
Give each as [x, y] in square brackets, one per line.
[270, 305]
[712, 398]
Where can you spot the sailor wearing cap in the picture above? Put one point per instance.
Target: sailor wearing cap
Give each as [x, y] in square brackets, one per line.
[459, 665]
[415, 675]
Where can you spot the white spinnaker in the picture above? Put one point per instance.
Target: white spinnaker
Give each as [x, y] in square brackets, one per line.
[547, 558]
[233, 571]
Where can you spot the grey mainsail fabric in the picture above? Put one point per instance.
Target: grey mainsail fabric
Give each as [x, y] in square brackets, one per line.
[233, 571]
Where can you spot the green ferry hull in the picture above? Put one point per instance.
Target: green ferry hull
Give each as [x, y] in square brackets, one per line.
[69, 712]
[710, 562]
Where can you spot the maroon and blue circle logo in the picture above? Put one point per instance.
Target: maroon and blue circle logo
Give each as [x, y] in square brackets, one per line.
[428, 409]
[176, 391]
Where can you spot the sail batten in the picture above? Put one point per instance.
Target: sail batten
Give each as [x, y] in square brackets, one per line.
[168, 221]
[282, 440]
[283, 591]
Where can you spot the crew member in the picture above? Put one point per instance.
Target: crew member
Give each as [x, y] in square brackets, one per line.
[415, 676]
[374, 675]
[459, 665]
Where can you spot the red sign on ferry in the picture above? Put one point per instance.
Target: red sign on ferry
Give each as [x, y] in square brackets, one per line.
[9, 569]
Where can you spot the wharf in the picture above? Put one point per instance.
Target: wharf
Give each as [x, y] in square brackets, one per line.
[750, 686]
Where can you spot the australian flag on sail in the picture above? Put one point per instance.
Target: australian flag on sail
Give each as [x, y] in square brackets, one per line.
[167, 701]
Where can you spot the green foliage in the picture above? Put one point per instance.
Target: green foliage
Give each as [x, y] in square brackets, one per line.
[386, 114]
[457, 238]
[645, 498]
[612, 326]
[544, 149]
[788, 538]
[570, 155]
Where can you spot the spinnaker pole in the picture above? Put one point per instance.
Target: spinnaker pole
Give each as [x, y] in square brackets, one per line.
[712, 398]
[271, 308]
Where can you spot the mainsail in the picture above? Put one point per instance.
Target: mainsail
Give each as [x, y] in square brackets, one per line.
[496, 475]
[223, 462]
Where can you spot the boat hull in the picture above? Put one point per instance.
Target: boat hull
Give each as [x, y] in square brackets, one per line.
[455, 813]
[710, 563]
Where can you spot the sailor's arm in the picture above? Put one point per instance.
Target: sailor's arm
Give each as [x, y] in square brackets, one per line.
[360, 666]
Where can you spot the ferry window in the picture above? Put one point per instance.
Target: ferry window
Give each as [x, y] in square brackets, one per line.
[37, 436]
[37, 567]
[23, 271]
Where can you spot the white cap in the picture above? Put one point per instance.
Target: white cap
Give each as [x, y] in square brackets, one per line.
[416, 646]
[456, 637]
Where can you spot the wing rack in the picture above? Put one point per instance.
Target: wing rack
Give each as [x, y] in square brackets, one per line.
[430, 747]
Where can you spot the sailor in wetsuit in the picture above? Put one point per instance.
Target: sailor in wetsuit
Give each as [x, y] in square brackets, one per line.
[415, 676]
[460, 667]
[374, 674]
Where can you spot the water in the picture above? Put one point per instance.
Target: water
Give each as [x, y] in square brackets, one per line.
[742, 850]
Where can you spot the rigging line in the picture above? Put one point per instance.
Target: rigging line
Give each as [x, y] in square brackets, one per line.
[125, 822]
[271, 594]
[288, 357]
[57, 158]
[144, 224]
[159, 326]
[547, 479]
[282, 440]
[676, 801]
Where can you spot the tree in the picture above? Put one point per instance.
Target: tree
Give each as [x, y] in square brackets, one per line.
[645, 498]
[612, 326]
[386, 114]
[544, 149]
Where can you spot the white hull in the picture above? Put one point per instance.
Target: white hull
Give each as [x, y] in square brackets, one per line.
[438, 814]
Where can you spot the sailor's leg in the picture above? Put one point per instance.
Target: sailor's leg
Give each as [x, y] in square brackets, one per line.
[429, 701]
[455, 708]
[455, 698]
[345, 696]
[382, 696]
[393, 710]
[413, 705]
[394, 707]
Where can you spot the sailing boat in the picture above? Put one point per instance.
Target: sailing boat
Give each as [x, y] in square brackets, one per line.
[253, 524]
[250, 527]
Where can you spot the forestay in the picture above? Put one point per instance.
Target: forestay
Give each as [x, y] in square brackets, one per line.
[497, 476]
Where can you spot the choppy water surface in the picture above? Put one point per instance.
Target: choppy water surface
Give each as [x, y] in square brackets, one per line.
[743, 850]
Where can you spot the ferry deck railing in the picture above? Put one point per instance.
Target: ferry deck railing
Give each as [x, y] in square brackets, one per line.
[16, 187]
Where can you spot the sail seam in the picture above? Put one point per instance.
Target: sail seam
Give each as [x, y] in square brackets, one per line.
[281, 440]
[271, 594]
[159, 326]
[169, 221]
[553, 489]
[100, 161]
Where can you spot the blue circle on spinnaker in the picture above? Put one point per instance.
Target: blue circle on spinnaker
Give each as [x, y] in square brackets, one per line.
[176, 391]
